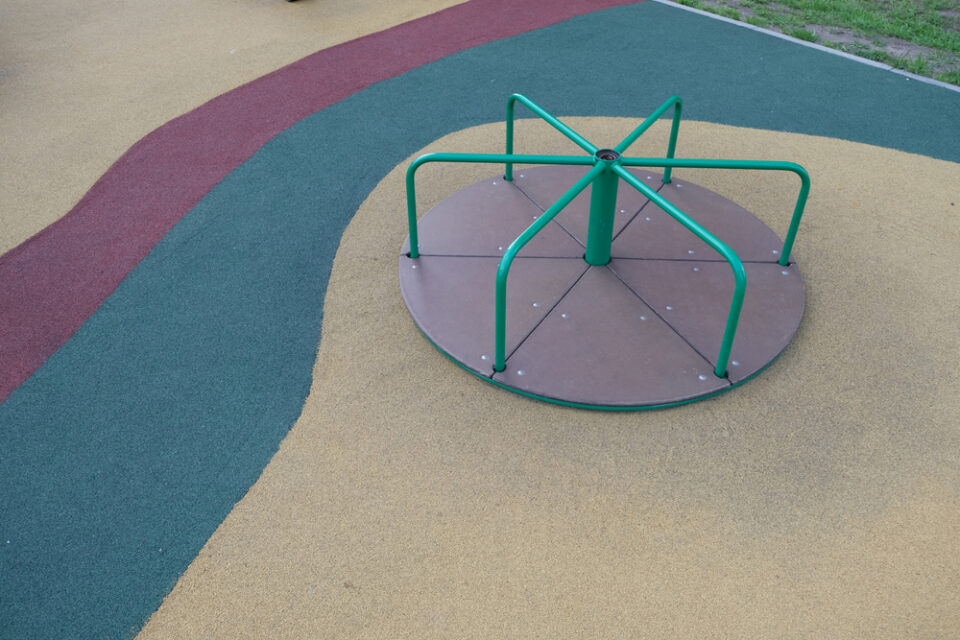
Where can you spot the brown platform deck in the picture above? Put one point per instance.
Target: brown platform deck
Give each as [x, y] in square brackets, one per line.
[642, 331]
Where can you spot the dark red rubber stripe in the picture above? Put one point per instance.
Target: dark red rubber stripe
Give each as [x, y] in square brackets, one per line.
[54, 281]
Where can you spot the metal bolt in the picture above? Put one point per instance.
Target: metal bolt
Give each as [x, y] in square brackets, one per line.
[413, 266]
[690, 251]
[702, 377]
[520, 372]
[669, 308]
[484, 357]
[696, 268]
[563, 315]
[735, 363]
[536, 304]
[774, 252]
[643, 318]
[648, 219]
[499, 248]
[785, 272]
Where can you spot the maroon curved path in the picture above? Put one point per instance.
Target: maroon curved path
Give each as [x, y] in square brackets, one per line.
[54, 281]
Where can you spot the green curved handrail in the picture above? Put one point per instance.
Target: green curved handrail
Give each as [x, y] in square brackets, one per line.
[582, 142]
[487, 158]
[500, 320]
[673, 101]
[758, 165]
[739, 275]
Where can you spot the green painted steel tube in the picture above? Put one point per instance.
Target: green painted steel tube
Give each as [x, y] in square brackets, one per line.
[582, 142]
[672, 145]
[672, 101]
[603, 204]
[500, 321]
[469, 157]
[797, 214]
[758, 165]
[739, 275]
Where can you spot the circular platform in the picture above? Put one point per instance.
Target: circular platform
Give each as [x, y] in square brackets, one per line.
[643, 331]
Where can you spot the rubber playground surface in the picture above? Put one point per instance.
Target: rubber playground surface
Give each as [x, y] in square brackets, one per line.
[218, 420]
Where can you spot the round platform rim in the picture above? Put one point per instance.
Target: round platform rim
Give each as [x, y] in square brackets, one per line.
[566, 390]
[596, 407]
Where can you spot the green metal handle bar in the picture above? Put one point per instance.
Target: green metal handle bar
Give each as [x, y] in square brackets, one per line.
[760, 165]
[582, 142]
[739, 275]
[673, 101]
[500, 323]
[469, 157]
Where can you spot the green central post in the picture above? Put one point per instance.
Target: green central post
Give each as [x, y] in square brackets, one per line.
[603, 208]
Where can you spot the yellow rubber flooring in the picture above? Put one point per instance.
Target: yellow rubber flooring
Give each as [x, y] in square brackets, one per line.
[412, 500]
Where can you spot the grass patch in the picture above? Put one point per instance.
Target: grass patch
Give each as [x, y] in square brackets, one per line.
[951, 77]
[757, 21]
[802, 34]
[918, 66]
[729, 12]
